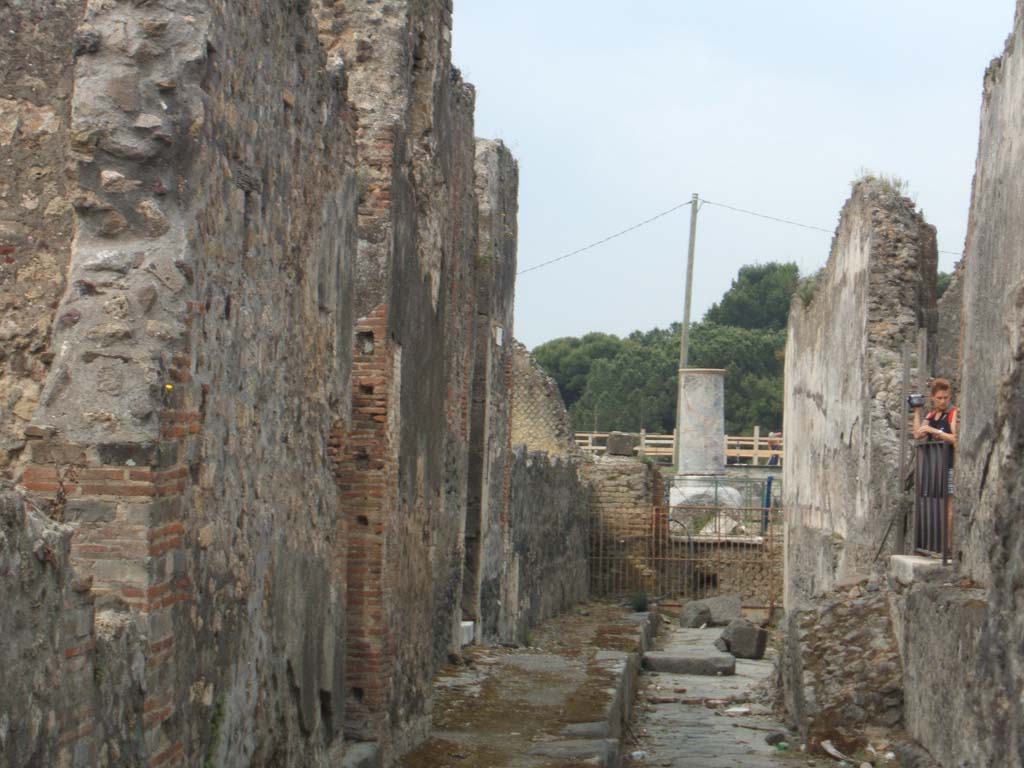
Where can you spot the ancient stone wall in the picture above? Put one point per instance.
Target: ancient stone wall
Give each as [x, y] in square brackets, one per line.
[488, 527]
[202, 358]
[625, 493]
[840, 666]
[938, 625]
[36, 64]
[843, 383]
[47, 613]
[550, 515]
[406, 468]
[539, 418]
[280, 366]
[989, 472]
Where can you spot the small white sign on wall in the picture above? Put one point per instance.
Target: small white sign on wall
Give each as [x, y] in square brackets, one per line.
[499, 335]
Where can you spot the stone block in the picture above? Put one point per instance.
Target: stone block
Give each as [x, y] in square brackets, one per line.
[713, 611]
[695, 615]
[745, 640]
[906, 569]
[696, 662]
[90, 511]
[623, 443]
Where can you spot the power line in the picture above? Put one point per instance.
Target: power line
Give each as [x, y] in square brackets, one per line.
[766, 216]
[683, 205]
[643, 223]
[788, 221]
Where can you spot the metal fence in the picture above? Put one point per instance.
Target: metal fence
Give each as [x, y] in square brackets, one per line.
[931, 485]
[689, 551]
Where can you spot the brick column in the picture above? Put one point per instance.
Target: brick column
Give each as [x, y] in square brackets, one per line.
[367, 475]
[126, 501]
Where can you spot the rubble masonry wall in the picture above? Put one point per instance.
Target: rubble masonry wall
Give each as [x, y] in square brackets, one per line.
[36, 69]
[171, 433]
[405, 467]
[550, 515]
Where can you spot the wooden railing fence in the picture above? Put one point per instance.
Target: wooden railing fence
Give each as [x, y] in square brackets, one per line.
[739, 449]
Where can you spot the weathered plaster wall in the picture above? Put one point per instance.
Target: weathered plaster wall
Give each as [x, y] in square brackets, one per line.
[990, 475]
[488, 541]
[539, 418]
[550, 515]
[36, 185]
[843, 383]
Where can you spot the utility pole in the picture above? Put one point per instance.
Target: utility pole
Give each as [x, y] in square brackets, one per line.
[684, 337]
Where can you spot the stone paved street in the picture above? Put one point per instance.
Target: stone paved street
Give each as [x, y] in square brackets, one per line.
[680, 720]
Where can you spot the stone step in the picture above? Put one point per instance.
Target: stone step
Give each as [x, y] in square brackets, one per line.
[692, 662]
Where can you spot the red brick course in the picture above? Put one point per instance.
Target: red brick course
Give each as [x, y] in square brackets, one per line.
[366, 471]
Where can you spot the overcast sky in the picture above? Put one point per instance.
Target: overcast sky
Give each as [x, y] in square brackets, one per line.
[618, 111]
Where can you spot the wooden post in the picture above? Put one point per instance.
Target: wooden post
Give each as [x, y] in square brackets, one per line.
[757, 444]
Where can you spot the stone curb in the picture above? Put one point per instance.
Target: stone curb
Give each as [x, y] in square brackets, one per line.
[601, 739]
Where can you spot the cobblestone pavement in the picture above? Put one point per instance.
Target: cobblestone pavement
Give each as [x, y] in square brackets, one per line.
[684, 721]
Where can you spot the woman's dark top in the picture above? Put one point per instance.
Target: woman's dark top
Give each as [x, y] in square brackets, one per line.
[941, 422]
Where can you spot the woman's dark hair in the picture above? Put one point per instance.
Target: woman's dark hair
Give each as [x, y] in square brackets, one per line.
[939, 385]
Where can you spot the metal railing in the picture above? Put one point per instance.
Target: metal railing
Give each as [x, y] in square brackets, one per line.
[689, 551]
[708, 536]
[932, 501]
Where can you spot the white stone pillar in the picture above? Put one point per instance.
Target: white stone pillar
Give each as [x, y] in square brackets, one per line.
[700, 422]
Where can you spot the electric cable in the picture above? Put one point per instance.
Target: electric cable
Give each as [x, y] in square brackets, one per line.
[643, 223]
[675, 208]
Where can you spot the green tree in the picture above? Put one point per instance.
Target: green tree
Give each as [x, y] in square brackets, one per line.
[633, 390]
[568, 360]
[631, 383]
[753, 360]
[942, 281]
[758, 298]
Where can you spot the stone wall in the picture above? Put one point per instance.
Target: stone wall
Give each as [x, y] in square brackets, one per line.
[989, 465]
[488, 526]
[938, 625]
[202, 362]
[550, 515]
[47, 615]
[539, 418]
[840, 667]
[36, 65]
[843, 383]
[406, 467]
[625, 493]
[281, 366]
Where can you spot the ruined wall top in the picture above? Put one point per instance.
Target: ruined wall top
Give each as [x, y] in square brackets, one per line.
[539, 419]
